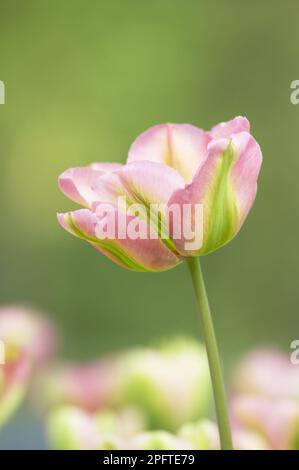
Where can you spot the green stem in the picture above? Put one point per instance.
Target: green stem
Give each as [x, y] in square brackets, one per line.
[212, 353]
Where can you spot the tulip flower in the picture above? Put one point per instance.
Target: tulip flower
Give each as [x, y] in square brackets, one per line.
[266, 397]
[29, 330]
[90, 386]
[183, 193]
[14, 374]
[171, 383]
[203, 436]
[168, 164]
[71, 428]
[158, 440]
[258, 373]
[275, 420]
[28, 340]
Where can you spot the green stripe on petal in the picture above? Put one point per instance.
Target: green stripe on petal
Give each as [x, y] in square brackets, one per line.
[156, 220]
[110, 247]
[221, 200]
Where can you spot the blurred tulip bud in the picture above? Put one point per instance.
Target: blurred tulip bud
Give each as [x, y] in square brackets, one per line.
[158, 440]
[90, 386]
[202, 435]
[14, 374]
[71, 428]
[267, 372]
[170, 384]
[125, 422]
[276, 420]
[29, 330]
[244, 439]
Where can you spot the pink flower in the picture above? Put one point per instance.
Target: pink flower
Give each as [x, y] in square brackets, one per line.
[203, 435]
[171, 165]
[26, 340]
[275, 420]
[90, 386]
[29, 330]
[266, 397]
[14, 375]
[72, 428]
[267, 372]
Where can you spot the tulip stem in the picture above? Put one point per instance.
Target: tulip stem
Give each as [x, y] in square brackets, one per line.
[212, 353]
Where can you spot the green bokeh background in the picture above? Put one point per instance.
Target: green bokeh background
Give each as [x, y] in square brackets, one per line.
[83, 79]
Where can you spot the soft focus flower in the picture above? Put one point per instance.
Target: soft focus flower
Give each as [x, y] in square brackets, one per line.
[71, 428]
[170, 164]
[158, 440]
[27, 339]
[125, 422]
[266, 397]
[267, 372]
[90, 386]
[28, 329]
[171, 383]
[14, 375]
[203, 435]
[275, 420]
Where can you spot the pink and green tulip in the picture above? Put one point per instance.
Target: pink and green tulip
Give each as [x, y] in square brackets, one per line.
[169, 164]
[72, 428]
[266, 397]
[92, 386]
[28, 340]
[29, 330]
[171, 383]
[158, 440]
[203, 435]
[14, 375]
[258, 372]
[275, 420]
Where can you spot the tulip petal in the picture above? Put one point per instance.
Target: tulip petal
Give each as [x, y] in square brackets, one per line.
[77, 183]
[70, 428]
[258, 371]
[277, 420]
[144, 183]
[148, 254]
[226, 187]
[141, 182]
[180, 146]
[105, 167]
[245, 172]
[226, 129]
[14, 375]
[92, 386]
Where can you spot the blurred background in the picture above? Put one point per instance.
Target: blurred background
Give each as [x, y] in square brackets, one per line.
[83, 79]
